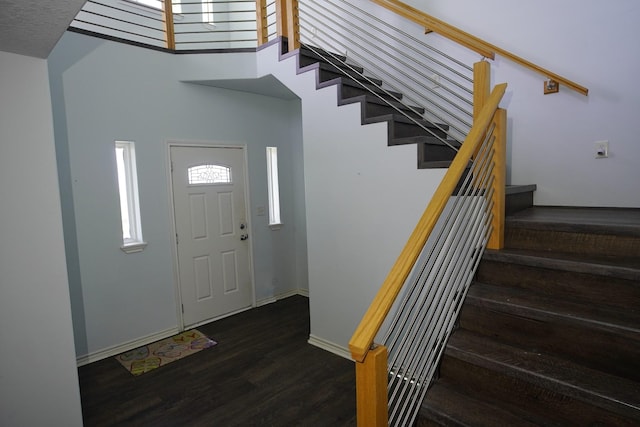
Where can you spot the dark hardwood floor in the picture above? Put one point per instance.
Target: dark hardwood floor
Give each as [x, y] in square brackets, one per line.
[262, 373]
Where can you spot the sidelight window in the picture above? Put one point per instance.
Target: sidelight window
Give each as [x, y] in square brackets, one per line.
[129, 200]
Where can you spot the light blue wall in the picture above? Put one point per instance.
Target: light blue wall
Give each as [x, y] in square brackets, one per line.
[120, 92]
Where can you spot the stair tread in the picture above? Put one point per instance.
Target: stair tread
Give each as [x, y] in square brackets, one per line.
[307, 51]
[346, 81]
[445, 405]
[627, 268]
[343, 72]
[606, 391]
[537, 306]
[618, 221]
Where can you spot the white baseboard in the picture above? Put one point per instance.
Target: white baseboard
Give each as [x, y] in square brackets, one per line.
[121, 348]
[265, 301]
[330, 347]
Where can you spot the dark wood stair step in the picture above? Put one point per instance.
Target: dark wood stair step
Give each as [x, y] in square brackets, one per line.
[584, 333]
[315, 54]
[609, 282]
[401, 128]
[562, 390]
[432, 152]
[350, 88]
[373, 106]
[330, 72]
[589, 231]
[445, 405]
[518, 198]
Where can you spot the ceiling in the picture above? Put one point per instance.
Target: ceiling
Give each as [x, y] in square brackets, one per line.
[32, 28]
[267, 86]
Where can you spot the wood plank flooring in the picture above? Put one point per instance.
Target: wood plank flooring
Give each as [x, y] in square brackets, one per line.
[262, 373]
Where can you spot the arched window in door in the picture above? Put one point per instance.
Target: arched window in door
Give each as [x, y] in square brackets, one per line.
[209, 174]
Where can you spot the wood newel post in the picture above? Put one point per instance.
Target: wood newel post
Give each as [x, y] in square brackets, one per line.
[281, 19]
[496, 240]
[371, 389]
[293, 23]
[169, 31]
[288, 23]
[261, 22]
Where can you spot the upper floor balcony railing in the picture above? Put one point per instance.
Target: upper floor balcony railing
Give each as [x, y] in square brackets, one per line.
[176, 25]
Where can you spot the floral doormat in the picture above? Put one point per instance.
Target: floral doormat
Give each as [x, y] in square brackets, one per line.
[152, 356]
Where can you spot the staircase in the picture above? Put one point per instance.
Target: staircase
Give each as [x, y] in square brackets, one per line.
[550, 331]
[404, 122]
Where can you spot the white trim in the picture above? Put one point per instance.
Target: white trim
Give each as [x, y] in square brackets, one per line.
[121, 348]
[132, 248]
[174, 249]
[330, 347]
[276, 298]
[213, 319]
[266, 301]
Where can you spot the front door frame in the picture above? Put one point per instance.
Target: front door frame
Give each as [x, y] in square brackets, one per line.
[173, 234]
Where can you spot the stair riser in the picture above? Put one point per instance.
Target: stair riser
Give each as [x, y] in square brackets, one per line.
[518, 395]
[436, 153]
[561, 336]
[347, 91]
[583, 287]
[406, 130]
[373, 110]
[576, 243]
[517, 202]
[326, 75]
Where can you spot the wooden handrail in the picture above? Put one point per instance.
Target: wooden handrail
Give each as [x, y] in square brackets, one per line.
[474, 43]
[363, 337]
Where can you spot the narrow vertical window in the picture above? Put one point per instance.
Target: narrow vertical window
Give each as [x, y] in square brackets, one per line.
[273, 186]
[207, 11]
[129, 200]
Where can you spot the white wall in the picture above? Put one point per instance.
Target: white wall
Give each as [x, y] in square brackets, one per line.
[123, 298]
[551, 137]
[363, 199]
[38, 377]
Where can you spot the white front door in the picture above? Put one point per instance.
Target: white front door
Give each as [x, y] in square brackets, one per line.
[212, 232]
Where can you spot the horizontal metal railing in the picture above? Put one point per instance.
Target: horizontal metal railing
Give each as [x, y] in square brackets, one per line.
[422, 295]
[437, 287]
[125, 20]
[426, 76]
[215, 24]
[191, 26]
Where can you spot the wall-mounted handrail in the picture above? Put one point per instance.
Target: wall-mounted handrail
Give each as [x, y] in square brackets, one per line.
[365, 333]
[474, 43]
